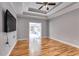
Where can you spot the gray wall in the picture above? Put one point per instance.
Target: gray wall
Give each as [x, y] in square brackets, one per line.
[65, 27]
[23, 27]
[4, 48]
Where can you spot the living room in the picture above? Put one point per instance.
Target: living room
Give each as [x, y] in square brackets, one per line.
[56, 24]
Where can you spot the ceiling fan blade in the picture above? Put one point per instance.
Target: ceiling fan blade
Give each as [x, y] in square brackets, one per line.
[40, 7]
[51, 3]
[39, 2]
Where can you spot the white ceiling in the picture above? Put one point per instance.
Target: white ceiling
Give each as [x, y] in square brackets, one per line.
[59, 9]
[23, 6]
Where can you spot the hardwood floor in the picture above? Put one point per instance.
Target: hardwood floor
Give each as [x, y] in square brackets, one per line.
[20, 49]
[49, 48]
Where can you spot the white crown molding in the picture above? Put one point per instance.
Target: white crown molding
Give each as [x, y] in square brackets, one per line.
[65, 10]
[58, 8]
[54, 12]
[57, 11]
[34, 14]
[33, 17]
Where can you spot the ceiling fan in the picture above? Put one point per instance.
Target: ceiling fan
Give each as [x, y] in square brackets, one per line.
[45, 4]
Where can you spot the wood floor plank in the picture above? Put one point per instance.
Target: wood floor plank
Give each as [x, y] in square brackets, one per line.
[49, 48]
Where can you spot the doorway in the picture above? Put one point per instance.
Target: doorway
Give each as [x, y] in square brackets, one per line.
[34, 38]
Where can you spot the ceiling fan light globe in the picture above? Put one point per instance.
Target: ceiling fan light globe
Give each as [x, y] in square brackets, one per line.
[47, 8]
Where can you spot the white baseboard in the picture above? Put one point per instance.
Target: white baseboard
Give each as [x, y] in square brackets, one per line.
[12, 48]
[23, 39]
[44, 37]
[73, 45]
[28, 38]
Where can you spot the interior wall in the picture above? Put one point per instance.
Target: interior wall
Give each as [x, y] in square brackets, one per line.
[65, 27]
[5, 48]
[23, 27]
